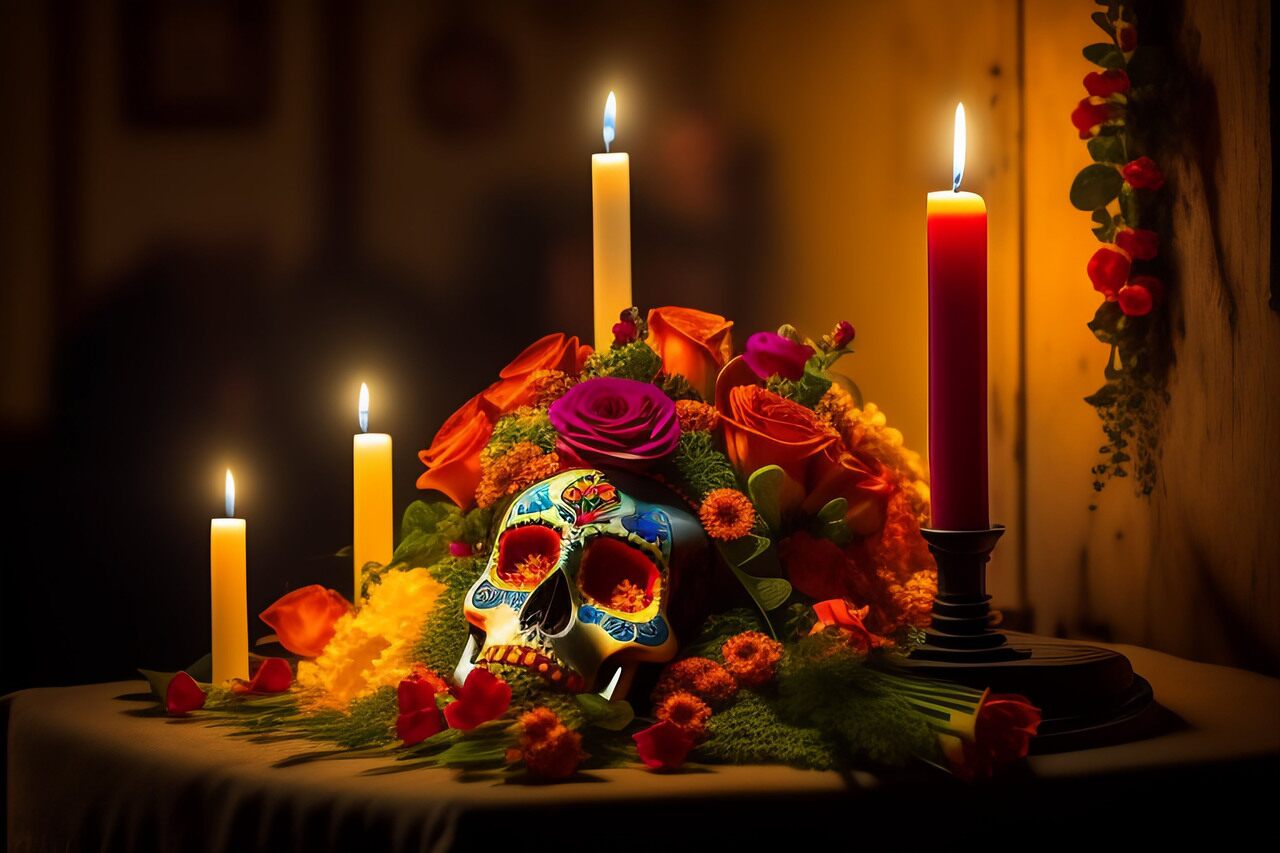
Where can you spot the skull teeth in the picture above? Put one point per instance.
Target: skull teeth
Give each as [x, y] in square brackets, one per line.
[534, 660]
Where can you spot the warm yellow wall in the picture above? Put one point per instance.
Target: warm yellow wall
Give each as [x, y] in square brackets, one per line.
[855, 101]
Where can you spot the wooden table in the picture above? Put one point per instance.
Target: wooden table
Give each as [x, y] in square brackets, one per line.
[93, 767]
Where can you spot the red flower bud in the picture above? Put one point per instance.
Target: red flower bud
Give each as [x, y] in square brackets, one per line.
[272, 675]
[663, 746]
[1090, 114]
[482, 697]
[183, 695]
[842, 335]
[461, 549]
[1143, 174]
[1135, 300]
[1108, 270]
[1140, 243]
[1104, 84]
[624, 332]
[1126, 36]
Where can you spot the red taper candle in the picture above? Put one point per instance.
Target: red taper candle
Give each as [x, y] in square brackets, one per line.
[958, 352]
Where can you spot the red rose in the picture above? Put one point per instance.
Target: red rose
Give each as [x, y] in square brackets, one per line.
[1135, 300]
[1143, 174]
[303, 619]
[419, 716]
[1108, 270]
[482, 697]
[1090, 114]
[1104, 84]
[1126, 36]
[836, 613]
[843, 334]
[663, 746]
[1006, 724]
[1140, 243]
[183, 695]
[271, 675]
[1153, 285]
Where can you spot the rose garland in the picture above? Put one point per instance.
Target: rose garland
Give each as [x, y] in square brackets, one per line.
[1119, 188]
[813, 502]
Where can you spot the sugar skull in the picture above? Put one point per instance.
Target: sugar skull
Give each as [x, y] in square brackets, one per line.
[581, 579]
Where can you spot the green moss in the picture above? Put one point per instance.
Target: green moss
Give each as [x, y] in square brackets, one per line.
[752, 732]
[700, 466]
[677, 387]
[524, 424]
[369, 721]
[636, 360]
[445, 630]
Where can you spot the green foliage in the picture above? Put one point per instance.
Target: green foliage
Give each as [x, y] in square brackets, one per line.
[810, 387]
[718, 628]
[635, 360]
[1104, 54]
[598, 711]
[427, 528]
[525, 424]
[530, 690]
[1095, 186]
[677, 387]
[1103, 23]
[752, 732]
[445, 630]
[1107, 149]
[1106, 230]
[369, 721]
[700, 467]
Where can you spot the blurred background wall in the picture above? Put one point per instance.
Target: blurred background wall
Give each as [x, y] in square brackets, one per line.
[218, 218]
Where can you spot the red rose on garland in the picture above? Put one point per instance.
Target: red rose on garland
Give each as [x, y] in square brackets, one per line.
[1104, 84]
[1139, 243]
[1143, 174]
[1135, 300]
[1090, 114]
[1108, 270]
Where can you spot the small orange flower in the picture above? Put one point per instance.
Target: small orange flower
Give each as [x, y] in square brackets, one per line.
[752, 658]
[520, 467]
[727, 514]
[629, 597]
[686, 711]
[696, 417]
[549, 749]
[529, 572]
[535, 725]
[549, 386]
[915, 597]
[702, 677]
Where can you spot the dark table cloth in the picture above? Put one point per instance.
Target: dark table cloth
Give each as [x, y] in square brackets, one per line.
[92, 767]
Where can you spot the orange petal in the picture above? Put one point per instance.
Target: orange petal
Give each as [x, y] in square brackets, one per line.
[304, 619]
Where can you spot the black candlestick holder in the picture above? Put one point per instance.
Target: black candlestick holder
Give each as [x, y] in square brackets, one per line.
[1088, 695]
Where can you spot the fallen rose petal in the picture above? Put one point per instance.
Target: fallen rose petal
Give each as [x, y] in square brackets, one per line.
[416, 726]
[183, 695]
[303, 619]
[482, 697]
[273, 675]
[663, 746]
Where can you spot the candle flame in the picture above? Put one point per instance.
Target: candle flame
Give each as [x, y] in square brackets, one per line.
[610, 120]
[364, 407]
[957, 157]
[231, 495]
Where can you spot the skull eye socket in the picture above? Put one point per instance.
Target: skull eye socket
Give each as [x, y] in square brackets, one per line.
[615, 575]
[526, 555]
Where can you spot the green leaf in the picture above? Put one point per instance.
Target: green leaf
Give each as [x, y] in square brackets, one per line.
[345, 551]
[1105, 324]
[813, 383]
[742, 551]
[159, 682]
[1106, 149]
[1129, 208]
[834, 510]
[1104, 396]
[831, 524]
[769, 593]
[613, 716]
[1095, 187]
[765, 487]
[1105, 54]
[1100, 18]
[1106, 230]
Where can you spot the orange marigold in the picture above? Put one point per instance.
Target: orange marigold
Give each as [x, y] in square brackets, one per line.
[536, 724]
[702, 677]
[727, 514]
[686, 711]
[751, 657]
[629, 597]
[696, 417]
[915, 597]
[556, 756]
[520, 467]
[549, 386]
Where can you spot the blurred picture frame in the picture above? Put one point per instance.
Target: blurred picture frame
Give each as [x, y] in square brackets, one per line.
[197, 63]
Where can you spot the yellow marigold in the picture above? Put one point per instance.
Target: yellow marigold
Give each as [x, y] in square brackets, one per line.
[686, 711]
[702, 677]
[915, 597]
[370, 647]
[727, 514]
[549, 386]
[696, 417]
[751, 657]
[514, 471]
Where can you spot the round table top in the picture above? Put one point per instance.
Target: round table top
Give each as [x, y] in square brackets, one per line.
[95, 766]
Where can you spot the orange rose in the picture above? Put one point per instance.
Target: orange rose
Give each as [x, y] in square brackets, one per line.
[693, 344]
[762, 428]
[453, 459]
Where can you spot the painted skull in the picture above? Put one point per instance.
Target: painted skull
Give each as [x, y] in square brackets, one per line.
[580, 581]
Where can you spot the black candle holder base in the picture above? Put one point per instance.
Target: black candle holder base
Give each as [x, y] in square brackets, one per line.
[1087, 695]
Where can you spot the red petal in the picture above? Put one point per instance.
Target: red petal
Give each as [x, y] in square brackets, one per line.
[417, 692]
[183, 695]
[663, 746]
[417, 726]
[273, 675]
[483, 697]
[304, 619]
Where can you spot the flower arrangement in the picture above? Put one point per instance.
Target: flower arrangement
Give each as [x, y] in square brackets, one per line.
[813, 505]
[1120, 189]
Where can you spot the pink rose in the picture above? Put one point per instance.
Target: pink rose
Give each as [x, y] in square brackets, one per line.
[769, 353]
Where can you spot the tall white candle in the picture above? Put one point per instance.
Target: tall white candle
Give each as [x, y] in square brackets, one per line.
[611, 231]
[373, 521]
[229, 608]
